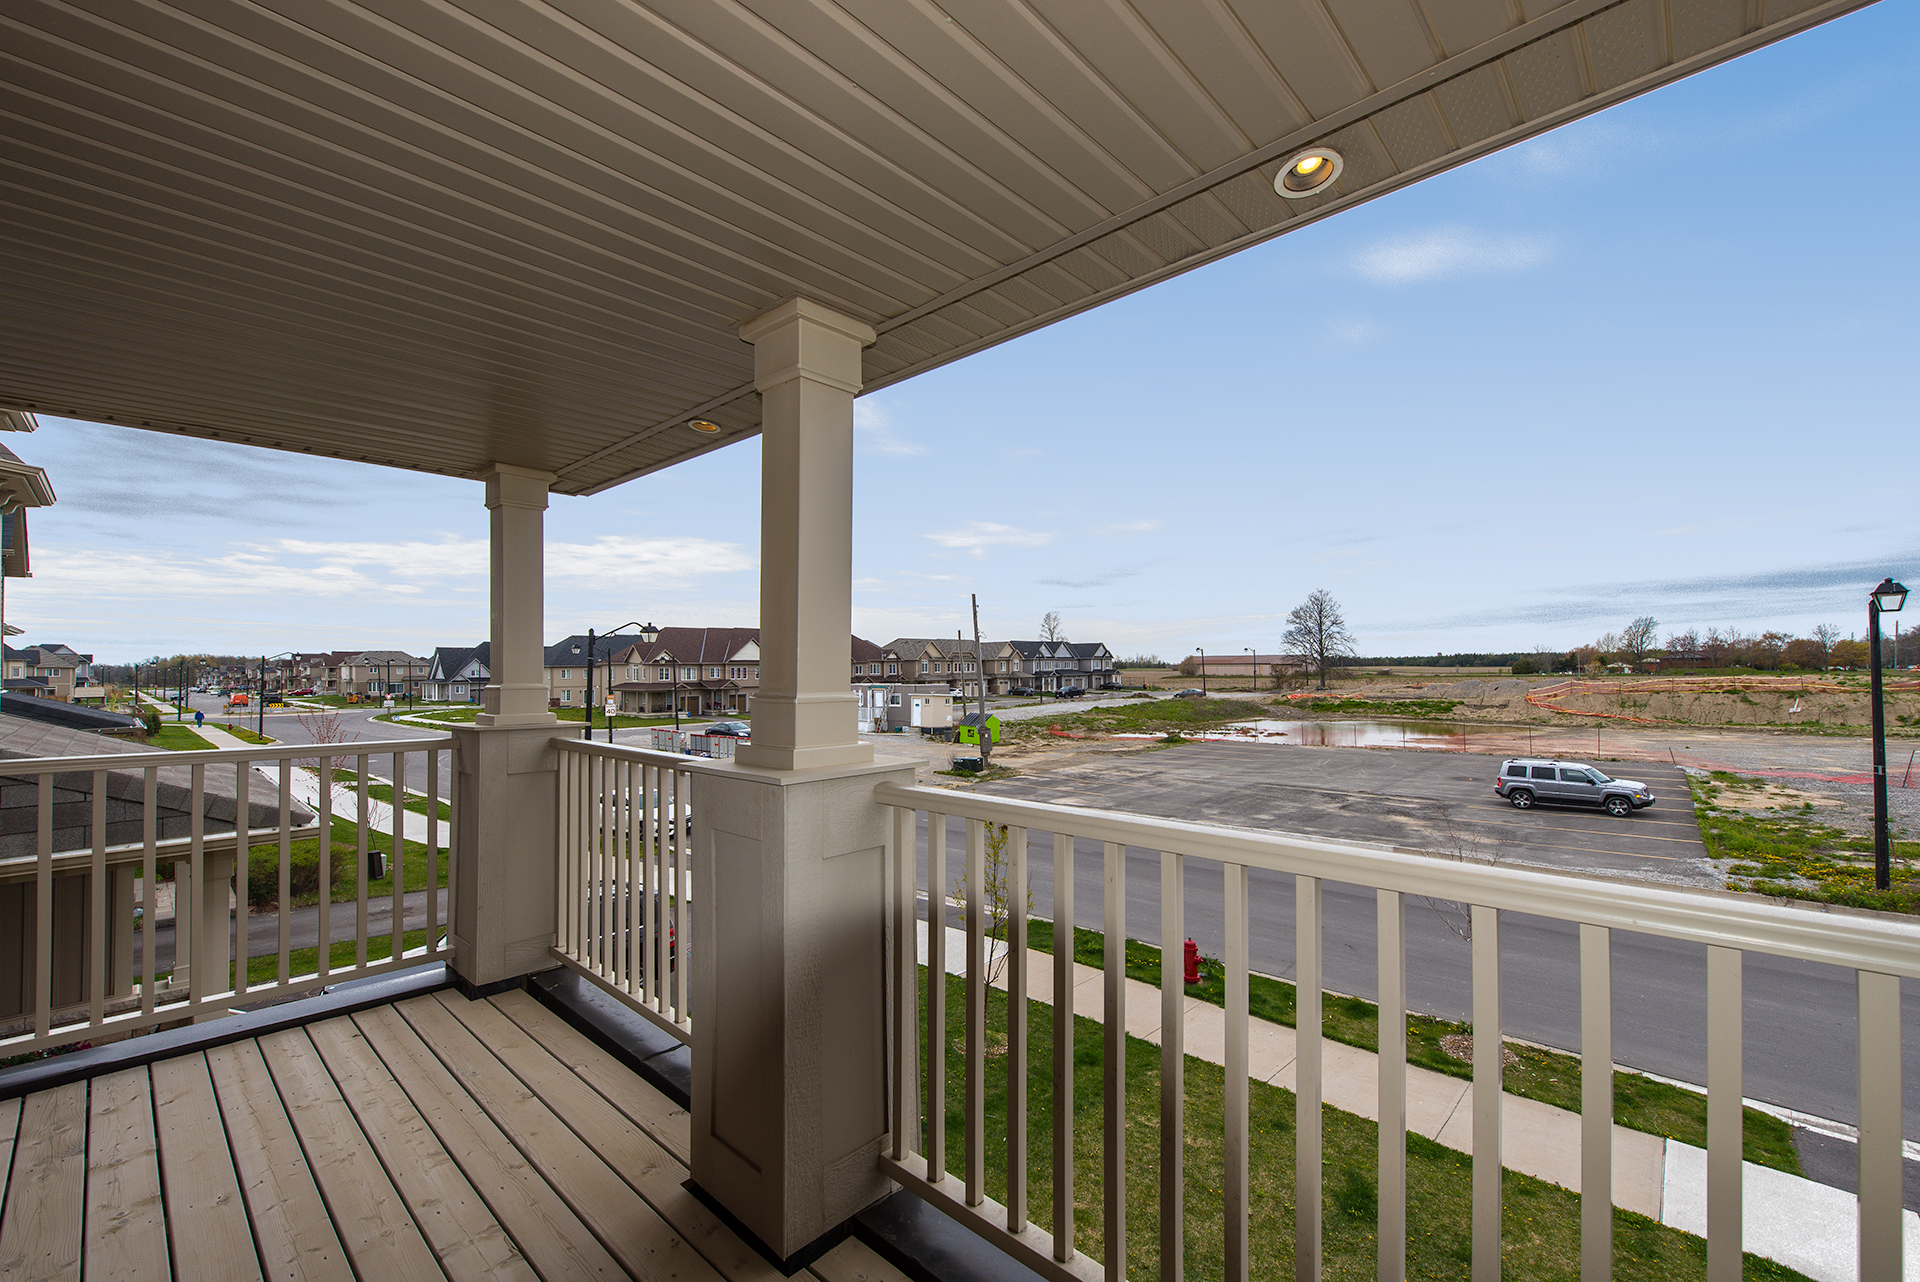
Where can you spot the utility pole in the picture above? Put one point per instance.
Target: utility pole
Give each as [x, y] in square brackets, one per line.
[986, 735]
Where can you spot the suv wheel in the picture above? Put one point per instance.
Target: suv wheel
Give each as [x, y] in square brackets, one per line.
[1521, 799]
[1619, 807]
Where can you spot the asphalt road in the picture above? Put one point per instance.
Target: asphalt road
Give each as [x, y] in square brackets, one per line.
[1800, 1018]
[303, 927]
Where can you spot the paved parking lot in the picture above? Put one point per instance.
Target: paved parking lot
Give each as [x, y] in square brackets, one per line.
[1424, 800]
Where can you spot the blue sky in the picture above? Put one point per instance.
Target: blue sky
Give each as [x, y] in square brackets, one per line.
[1660, 361]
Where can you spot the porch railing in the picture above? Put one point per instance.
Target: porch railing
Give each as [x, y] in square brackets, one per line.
[81, 948]
[626, 844]
[1880, 950]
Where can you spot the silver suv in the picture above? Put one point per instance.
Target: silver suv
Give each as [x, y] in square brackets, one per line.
[1525, 781]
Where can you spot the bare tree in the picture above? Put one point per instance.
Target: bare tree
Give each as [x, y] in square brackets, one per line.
[1824, 636]
[328, 732]
[1317, 632]
[1050, 629]
[1637, 641]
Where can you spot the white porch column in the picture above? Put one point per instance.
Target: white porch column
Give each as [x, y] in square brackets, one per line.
[504, 838]
[789, 897]
[516, 507]
[806, 363]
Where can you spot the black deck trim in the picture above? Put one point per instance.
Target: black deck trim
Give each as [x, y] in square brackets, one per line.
[928, 1246]
[657, 1056]
[341, 999]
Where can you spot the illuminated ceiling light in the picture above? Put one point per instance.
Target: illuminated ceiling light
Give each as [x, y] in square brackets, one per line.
[1307, 172]
[702, 425]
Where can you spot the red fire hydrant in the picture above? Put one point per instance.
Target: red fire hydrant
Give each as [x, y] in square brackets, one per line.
[1193, 962]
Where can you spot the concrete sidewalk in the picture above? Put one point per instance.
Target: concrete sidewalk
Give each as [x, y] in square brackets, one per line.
[1800, 1223]
[305, 788]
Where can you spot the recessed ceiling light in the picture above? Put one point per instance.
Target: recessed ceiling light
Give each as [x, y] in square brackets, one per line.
[1307, 172]
[702, 425]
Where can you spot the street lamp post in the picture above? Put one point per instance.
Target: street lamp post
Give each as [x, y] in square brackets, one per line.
[1888, 598]
[1203, 668]
[648, 635]
[1253, 659]
[262, 731]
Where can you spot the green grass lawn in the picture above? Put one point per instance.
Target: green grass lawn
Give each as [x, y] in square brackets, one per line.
[1789, 852]
[1541, 1222]
[1551, 1077]
[306, 961]
[239, 731]
[263, 868]
[174, 737]
[1379, 707]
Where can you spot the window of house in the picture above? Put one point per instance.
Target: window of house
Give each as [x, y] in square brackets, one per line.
[893, 669]
[756, 672]
[49, 672]
[566, 696]
[713, 673]
[666, 674]
[689, 674]
[893, 701]
[459, 689]
[565, 673]
[936, 667]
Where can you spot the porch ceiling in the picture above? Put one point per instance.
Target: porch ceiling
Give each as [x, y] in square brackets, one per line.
[446, 234]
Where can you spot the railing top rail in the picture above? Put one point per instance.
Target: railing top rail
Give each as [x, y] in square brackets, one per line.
[627, 752]
[1836, 936]
[204, 756]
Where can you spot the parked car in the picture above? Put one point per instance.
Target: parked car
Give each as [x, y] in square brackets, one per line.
[1189, 694]
[298, 693]
[1071, 692]
[731, 729]
[1023, 692]
[1527, 781]
[1112, 685]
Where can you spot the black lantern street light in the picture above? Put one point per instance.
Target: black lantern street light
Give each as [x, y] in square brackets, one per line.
[1886, 599]
[1253, 658]
[1203, 668]
[648, 635]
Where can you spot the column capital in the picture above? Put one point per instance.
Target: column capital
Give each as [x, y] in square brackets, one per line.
[800, 338]
[510, 486]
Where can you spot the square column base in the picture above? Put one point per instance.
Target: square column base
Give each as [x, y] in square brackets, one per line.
[790, 996]
[504, 851]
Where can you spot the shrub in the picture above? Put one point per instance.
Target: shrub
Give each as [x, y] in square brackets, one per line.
[1523, 667]
[263, 872]
[150, 720]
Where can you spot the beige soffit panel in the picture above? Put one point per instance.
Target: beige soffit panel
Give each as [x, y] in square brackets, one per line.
[435, 235]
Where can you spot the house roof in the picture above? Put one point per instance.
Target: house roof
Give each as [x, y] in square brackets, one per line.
[532, 240]
[571, 652]
[450, 661]
[865, 651]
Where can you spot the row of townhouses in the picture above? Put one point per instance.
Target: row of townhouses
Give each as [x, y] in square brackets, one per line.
[700, 671]
[50, 672]
[1002, 666]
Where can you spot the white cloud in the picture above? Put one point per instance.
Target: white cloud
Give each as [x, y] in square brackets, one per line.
[1448, 251]
[645, 562]
[978, 536]
[873, 428]
[1135, 527]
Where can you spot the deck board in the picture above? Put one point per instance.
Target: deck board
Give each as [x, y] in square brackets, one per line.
[670, 1125]
[9, 1128]
[380, 1237]
[645, 1244]
[650, 1170]
[548, 1232]
[433, 1138]
[453, 1218]
[207, 1229]
[126, 1227]
[41, 1234]
[291, 1225]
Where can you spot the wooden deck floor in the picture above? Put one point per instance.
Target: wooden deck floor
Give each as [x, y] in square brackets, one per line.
[432, 1137]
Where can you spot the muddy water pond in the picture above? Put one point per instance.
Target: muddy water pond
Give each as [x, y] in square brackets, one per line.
[1347, 734]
